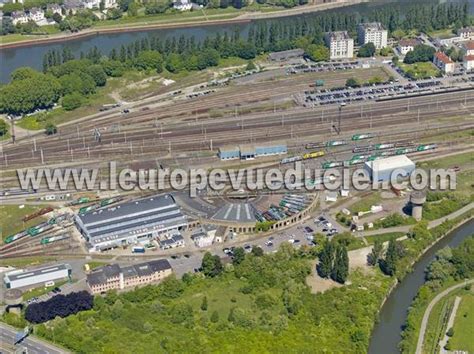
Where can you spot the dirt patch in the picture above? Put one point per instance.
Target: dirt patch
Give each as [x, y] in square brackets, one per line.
[358, 259]
[318, 284]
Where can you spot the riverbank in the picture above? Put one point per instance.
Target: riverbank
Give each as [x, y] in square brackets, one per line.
[392, 316]
[162, 22]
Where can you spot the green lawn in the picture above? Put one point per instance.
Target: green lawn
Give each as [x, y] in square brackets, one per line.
[463, 338]
[464, 159]
[36, 292]
[365, 203]
[11, 215]
[420, 70]
[384, 237]
[25, 261]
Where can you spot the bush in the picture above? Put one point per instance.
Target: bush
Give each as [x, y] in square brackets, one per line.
[72, 101]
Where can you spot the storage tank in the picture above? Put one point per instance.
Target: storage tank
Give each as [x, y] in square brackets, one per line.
[417, 199]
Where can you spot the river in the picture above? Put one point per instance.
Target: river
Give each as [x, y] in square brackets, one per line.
[387, 332]
[13, 58]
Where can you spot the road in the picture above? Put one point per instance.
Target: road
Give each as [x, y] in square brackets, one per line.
[32, 344]
[426, 316]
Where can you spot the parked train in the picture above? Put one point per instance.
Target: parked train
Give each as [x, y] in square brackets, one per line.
[307, 156]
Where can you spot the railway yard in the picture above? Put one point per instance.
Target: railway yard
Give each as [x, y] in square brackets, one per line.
[186, 128]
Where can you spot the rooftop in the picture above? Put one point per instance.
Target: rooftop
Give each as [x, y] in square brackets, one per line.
[21, 274]
[408, 42]
[443, 58]
[390, 162]
[238, 212]
[339, 36]
[469, 45]
[372, 26]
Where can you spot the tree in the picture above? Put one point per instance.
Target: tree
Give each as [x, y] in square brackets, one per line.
[239, 255]
[450, 332]
[204, 304]
[250, 66]
[367, 50]
[376, 253]
[352, 82]
[149, 59]
[340, 268]
[72, 101]
[114, 14]
[51, 129]
[59, 305]
[317, 52]
[420, 53]
[389, 264]
[215, 317]
[257, 251]
[211, 265]
[3, 127]
[326, 260]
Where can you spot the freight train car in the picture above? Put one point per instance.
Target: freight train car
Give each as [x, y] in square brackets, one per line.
[313, 155]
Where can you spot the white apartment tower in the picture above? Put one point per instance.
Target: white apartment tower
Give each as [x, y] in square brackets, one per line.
[341, 45]
[372, 33]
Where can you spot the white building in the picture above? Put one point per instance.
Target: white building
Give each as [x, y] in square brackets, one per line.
[468, 48]
[54, 9]
[108, 4]
[443, 62]
[382, 169]
[36, 14]
[182, 5]
[468, 62]
[466, 33]
[407, 45]
[19, 17]
[204, 236]
[25, 278]
[372, 33]
[340, 44]
[91, 4]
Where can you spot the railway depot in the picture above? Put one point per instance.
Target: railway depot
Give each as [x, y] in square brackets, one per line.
[24, 278]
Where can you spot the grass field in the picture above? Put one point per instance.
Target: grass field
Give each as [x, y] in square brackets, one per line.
[383, 237]
[365, 203]
[420, 70]
[25, 261]
[463, 338]
[11, 215]
[41, 290]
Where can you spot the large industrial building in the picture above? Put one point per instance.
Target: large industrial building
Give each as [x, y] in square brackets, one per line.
[250, 152]
[372, 33]
[131, 222]
[112, 276]
[340, 44]
[381, 170]
[26, 278]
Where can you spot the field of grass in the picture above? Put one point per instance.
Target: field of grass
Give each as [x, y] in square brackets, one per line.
[383, 237]
[25, 261]
[464, 325]
[95, 264]
[36, 292]
[365, 203]
[420, 70]
[11, 215]
[463, 135]
[464, 159]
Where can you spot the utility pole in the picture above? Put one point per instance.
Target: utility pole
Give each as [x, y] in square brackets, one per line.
[42, 157]
[13, 131]
[211, 144]
[34, 143]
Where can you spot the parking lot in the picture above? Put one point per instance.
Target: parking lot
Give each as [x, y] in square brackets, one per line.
[343, 95]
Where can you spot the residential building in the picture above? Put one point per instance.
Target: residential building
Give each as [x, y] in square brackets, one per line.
[286, 55]
[36, 14]
[372, 33]
[204, 236]
[407, 45]
[340, 44]
[466, 33]
[469, 62]
[443, 62]
[72, 6]
[37, 276]
[91, 4]
[108, 4]
[54, 9]
[19, 17]
[115, 277]
[131, 222]
[182, 5]
[468, 48]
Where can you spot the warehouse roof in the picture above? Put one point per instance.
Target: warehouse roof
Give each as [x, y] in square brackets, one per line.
[391, 162]
[126, 209]
[16, 275]
[239, 212]
[286, 54]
